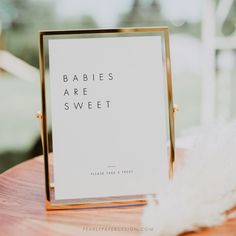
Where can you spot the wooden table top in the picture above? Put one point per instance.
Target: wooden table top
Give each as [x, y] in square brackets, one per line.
[22, 211]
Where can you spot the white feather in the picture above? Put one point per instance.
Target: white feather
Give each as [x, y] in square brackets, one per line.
[202, 189]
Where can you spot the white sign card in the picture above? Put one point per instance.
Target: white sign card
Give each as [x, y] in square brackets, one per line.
[108, 116]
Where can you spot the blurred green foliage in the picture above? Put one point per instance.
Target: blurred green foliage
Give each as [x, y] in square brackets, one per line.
[22, 19]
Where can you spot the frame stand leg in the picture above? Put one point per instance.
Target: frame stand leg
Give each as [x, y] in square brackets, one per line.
[39, 117]
[172, 167]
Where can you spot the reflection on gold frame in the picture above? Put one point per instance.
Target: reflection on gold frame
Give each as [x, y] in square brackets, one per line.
[51, 204]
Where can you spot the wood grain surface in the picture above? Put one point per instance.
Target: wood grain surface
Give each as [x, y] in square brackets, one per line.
[22, 211]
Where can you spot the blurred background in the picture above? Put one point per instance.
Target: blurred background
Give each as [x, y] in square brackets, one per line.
[203, 54]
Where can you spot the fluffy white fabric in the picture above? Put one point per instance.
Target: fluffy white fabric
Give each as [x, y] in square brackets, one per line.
[202, 189]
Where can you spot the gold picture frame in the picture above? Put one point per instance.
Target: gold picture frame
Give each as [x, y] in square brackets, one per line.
[51, 203]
